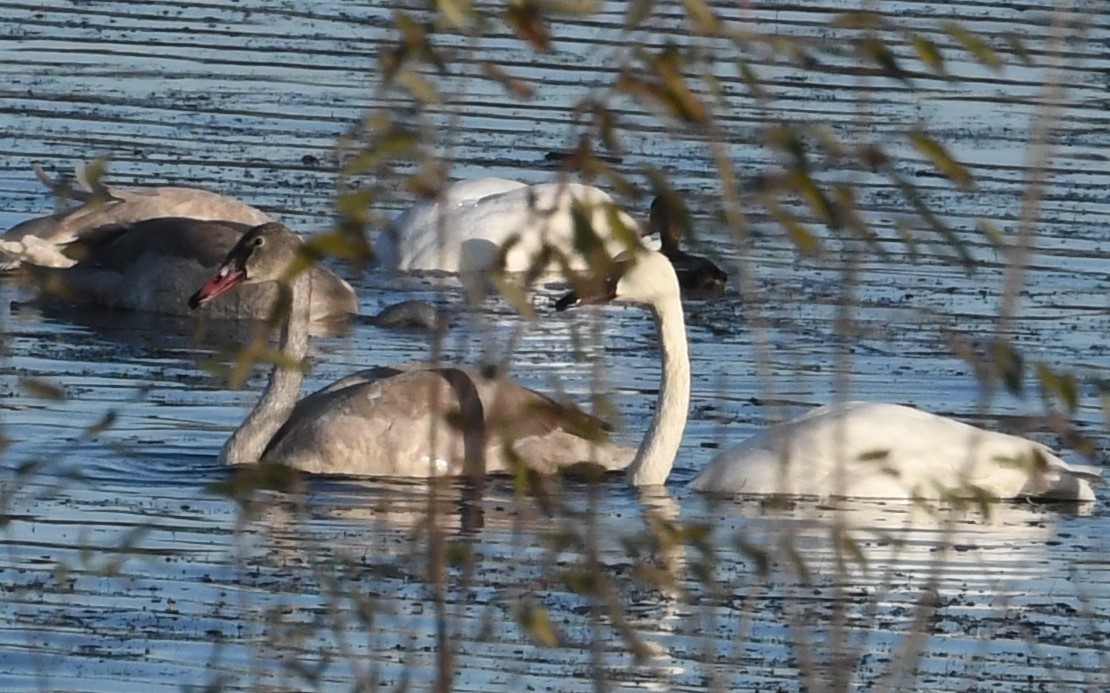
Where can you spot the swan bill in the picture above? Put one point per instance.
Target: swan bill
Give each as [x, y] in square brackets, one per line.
[597, 290]
[225, 279]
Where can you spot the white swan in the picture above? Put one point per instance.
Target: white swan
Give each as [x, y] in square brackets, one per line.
[407, 421]
[878, 450]
[883, 450]
[43, 241]
[476, 220]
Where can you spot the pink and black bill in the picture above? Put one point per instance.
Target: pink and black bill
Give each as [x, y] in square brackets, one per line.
[233, 271]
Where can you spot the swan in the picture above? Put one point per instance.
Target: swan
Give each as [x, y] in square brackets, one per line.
[156, 264]
[479, 220]
[885, 450]
[698, 276]
[43, 241]
[402, 421]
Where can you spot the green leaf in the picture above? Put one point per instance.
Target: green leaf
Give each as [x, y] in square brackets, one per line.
[537, 624]
[992, 233]
[751, 80]
[1008, 365]
[517, 87]
[877, 52]
[1017, 46]
[1062, 385]
[905, 232]
[527, 22]
[799, 235]
[335, 244]
[787, 140]
[701, 17]
[936, 153]
[246, 480]
[929, 53]
[858, 19]
[827, 139]
[397, 144]
[973, 45]
[41, 389]
[456, 13]
[638, 11]
[419, 87]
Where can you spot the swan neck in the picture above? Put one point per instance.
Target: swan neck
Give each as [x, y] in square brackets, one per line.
[656, 454]
[272, 410]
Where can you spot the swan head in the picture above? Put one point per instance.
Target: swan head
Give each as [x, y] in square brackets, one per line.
[669, 219]
[264, 253]
[645, 277]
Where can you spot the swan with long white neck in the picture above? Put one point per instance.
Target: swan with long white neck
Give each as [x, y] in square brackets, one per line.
[852, 449]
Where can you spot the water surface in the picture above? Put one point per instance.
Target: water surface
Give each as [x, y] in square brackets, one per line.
[123, 570]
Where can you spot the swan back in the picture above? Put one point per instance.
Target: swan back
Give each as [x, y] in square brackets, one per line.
[863, 449]
[420, 421]
[474, 227]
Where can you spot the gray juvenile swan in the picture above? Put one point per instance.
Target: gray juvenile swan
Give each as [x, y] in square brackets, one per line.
[156, 264]
[383, 421]
[853, 449]
[43, 241]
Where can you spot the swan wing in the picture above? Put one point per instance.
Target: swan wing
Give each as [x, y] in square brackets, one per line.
[416, 230]
[416, 422]
[127, 206]
[155, 265]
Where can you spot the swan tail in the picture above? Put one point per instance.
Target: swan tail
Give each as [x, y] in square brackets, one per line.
[561, 452]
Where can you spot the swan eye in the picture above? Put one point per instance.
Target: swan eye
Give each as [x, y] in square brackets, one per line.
[259, 242]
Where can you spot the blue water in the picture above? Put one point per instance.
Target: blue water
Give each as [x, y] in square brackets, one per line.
[124, 568]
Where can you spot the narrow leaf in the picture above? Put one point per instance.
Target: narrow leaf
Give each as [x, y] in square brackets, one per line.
[537, 624]
[877, 52]
[1061, 385]
[42, 389]
[929, 53]
[701, 17]
[1017, 46]
[973, 45]
[858, 19]
[942, 160]
[638, 11]
[517, 87]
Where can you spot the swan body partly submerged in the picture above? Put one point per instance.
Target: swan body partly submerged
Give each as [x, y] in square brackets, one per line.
[879, 450]
[857, 449]
[43, 241]
[407, 421]
[477, 221]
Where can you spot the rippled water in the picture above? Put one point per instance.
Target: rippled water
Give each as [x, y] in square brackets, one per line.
[122, 569]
